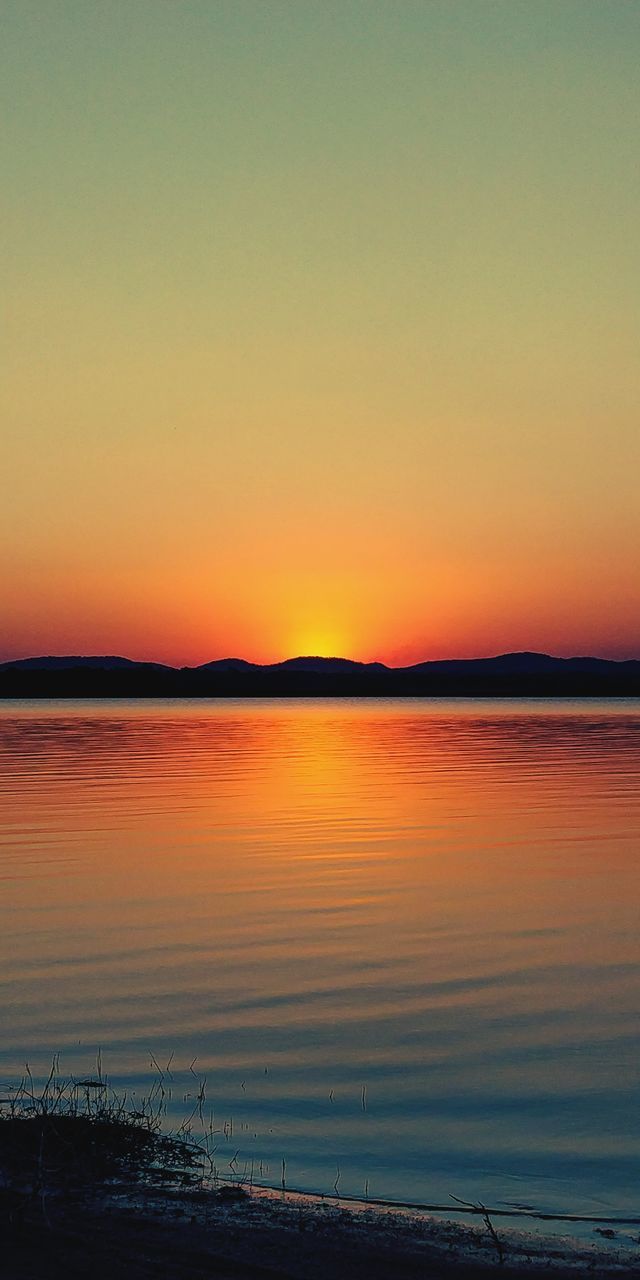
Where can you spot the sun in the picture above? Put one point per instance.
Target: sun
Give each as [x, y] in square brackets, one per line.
[319, 642]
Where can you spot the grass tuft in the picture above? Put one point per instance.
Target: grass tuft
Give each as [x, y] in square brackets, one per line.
[77, 1135]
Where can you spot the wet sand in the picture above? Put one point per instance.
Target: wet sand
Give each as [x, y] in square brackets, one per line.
[192, 1235]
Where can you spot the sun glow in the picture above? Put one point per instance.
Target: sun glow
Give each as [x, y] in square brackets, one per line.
[319, 642]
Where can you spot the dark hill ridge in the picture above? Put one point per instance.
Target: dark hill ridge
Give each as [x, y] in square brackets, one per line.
[106, 663]
[309, 663]
[506, 675]
[335, 666]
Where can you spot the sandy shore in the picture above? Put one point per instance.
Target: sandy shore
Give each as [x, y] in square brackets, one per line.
[198, 1234]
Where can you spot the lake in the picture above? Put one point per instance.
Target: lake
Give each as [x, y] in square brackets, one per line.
[399, 938]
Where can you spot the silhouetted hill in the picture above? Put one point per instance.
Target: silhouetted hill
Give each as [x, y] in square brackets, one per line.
[224, 664]
[507, 675]
[106, 663]
[326, 666]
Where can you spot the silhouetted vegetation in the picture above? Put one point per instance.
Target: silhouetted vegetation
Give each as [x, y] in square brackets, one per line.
[76, 1135]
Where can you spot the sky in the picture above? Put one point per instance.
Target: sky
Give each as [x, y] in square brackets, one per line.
[320, 328]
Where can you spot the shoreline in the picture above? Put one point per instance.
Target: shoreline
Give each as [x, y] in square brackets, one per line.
[467, 1209]
[234, 1233]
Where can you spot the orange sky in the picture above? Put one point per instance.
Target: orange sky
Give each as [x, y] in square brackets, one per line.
[321, 329]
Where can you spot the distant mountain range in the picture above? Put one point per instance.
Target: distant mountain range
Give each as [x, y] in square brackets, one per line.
[508, 675]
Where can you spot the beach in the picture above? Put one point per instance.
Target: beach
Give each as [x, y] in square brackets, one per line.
[232, 1234]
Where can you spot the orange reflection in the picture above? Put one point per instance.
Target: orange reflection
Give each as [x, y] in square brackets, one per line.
[200, 825]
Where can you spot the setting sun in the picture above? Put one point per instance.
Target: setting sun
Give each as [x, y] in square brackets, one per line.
[319, 642]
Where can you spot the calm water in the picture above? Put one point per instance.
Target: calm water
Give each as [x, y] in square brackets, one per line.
[436, 903]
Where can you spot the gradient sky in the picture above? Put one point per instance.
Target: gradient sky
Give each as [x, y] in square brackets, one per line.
[320, 328]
